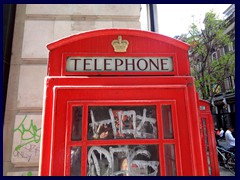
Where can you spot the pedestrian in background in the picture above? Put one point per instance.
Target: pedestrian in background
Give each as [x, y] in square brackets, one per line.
[217, 132]
[230, 140]
[221, 134]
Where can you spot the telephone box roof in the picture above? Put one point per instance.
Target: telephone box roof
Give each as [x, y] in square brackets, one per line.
[129, 32]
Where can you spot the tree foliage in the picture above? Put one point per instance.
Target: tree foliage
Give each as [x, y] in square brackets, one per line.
[209, 73]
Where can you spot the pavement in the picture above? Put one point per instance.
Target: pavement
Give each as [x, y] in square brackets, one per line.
[223, 170]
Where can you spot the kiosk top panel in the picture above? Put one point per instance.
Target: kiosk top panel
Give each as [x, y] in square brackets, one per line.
[118, 52]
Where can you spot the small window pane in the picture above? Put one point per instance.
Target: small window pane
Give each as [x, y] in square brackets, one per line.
[122, 122]
[205, 135]
[75, 161]
[77, 123]
[128, 160]
[170, 161]
[167, 121]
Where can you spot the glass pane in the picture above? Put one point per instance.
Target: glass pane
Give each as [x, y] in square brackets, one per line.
[77, 123]
[75, 161]
[128, 160]
[167, 121]
[205, 135]
[170, 161]
[122, 122]
[204, 121]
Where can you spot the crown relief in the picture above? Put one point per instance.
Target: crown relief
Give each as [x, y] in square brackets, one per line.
[120, 45]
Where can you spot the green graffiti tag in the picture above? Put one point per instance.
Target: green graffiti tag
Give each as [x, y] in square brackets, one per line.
[29, 173]
[29, 134]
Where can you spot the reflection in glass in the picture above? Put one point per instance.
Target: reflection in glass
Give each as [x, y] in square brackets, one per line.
[122, 122]
[167, 121]
[75, 161]
[205, 135]
[125, 160]
[170, 161]
[76, 123]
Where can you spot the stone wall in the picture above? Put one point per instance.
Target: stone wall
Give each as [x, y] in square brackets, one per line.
[37, 25]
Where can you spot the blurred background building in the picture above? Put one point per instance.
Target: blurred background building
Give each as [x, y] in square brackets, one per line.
[224, 103]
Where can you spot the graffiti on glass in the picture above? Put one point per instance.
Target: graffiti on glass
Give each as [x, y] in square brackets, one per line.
[123, 161]
[131, 123]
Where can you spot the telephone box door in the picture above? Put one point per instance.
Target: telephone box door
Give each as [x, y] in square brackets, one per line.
[121, 130]
[208, 139]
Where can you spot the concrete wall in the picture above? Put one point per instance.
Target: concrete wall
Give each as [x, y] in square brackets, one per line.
[36, 25]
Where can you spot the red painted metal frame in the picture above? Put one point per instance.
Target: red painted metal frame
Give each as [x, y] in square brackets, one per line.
[206, 113]
[63, 89]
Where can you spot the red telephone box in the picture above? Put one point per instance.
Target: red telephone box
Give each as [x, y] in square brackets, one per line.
[120, 102]
[208, 139]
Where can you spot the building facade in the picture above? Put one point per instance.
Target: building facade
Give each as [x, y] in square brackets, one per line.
[223, 103]
[35, 26]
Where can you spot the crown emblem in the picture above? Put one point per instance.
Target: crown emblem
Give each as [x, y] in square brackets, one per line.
[120, 45]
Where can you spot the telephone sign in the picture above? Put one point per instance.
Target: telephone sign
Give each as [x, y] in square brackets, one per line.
[120, 102]
[119, 64]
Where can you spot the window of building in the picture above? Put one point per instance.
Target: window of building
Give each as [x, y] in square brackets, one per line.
[231, 48]
[226, 49]
[218, 53]
[214, 56]
[222, 51]
[233, 45]
[229, 83]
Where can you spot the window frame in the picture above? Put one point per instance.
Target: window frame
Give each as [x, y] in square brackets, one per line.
[85, 143]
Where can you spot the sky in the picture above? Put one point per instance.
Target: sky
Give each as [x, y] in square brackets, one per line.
[175, 19]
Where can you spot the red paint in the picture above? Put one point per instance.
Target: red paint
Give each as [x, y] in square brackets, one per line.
[211, 145]
[63, 90]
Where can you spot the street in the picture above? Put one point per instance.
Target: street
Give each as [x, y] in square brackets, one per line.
[225, 172]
